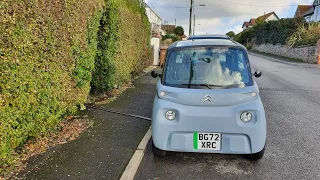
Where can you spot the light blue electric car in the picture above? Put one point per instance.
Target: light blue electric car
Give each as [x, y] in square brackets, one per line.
[207, 101]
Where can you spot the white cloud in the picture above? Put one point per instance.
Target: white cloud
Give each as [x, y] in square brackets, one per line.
[221, 16]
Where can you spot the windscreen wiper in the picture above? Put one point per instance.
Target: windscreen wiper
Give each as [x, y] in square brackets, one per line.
[207, 60]
[191, 71]
[209, 86]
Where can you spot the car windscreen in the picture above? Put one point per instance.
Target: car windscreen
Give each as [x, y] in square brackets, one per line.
[207, 67]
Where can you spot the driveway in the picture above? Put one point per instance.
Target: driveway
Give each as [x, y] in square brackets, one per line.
[291, 96]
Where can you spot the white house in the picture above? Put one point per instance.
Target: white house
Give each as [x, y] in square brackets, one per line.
[272, 16]
[154, 19]
[308, 16]
[245, 25]
[305, 11]
[316, 15]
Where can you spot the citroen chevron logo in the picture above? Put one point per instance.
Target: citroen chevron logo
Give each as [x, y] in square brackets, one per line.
[207, 98]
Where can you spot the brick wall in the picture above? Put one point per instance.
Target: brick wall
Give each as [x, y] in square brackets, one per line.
[318, 52]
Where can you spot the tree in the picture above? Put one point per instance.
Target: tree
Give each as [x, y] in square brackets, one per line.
[231, 34]
[179, 31]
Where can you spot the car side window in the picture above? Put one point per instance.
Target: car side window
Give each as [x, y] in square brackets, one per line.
[242, 65]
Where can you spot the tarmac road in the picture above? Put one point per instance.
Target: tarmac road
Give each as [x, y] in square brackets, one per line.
[291, 96]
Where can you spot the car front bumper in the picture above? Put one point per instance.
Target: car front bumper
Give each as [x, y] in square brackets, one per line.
[237, 137]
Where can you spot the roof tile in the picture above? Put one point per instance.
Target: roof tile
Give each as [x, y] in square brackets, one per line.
[301, 9]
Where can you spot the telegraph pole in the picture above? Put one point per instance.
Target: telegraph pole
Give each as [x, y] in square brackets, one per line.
[190, 18]
[194, 23]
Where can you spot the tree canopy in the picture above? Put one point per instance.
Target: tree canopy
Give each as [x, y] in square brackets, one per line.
[179, 31]
[231, 34]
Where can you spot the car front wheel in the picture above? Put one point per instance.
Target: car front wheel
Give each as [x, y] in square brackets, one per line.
[158, 152]
[256, 156]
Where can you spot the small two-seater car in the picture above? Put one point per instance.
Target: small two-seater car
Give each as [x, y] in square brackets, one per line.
[207, 101]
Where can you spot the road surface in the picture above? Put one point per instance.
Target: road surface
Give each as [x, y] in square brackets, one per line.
[291, 96]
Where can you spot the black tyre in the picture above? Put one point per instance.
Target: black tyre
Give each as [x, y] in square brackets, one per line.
[158, 152]
[256, 156]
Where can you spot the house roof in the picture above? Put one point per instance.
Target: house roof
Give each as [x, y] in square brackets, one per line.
[252, 21]
[301, 9]
[266, 16]
[168, 28]
[245, 24]
[309, 12]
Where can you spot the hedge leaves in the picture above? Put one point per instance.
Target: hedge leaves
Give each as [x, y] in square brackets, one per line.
[52, 51]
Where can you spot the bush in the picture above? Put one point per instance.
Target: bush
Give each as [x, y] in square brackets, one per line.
[173, 37]
[272, 32]
[231, 34]
[124, 44]
[166, 42]
[246, 36]
[305, 35]
[276, 32]
[46, 62]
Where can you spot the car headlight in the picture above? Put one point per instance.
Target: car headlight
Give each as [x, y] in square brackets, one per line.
[162, 93]
[170, 115]
[246, 116]
[254, 94]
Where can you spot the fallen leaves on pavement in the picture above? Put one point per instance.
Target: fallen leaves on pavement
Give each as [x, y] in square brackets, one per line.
[69, 130]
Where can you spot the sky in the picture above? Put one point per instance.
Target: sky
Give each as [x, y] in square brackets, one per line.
[221, 16]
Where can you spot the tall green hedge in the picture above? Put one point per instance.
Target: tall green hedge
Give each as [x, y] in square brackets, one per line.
[47, 53]
[124, 44]
[53, 52]
[272, 32]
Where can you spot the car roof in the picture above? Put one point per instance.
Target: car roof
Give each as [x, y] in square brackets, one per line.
[209, 36]
[206, 42]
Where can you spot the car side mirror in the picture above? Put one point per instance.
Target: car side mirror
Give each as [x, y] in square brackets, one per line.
[155, 74]
[257, 74]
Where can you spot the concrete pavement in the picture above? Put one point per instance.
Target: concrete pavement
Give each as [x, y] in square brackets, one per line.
[291, 96]
[103, 151]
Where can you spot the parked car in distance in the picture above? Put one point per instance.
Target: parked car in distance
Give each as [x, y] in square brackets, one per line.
[209, 36]
[207, 101]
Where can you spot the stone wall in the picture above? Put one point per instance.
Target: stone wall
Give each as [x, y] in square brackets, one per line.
[305, 53]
